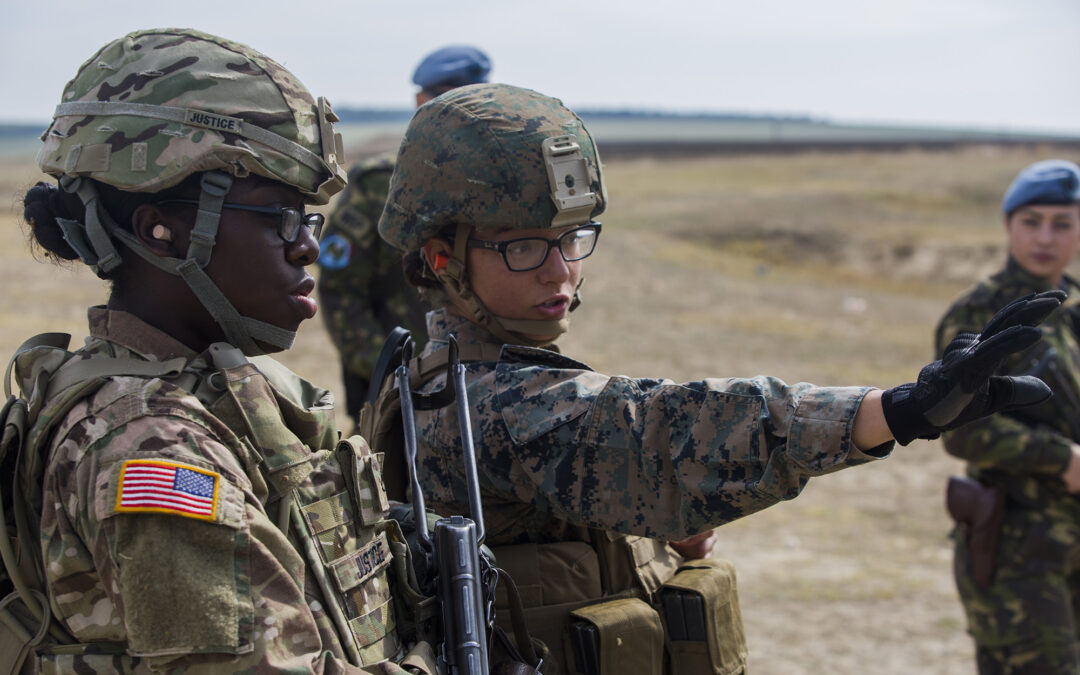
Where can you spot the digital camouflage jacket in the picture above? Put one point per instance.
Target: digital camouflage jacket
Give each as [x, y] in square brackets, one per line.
[1026, 451]
[162, 530]
[561, 447]
[362, 289]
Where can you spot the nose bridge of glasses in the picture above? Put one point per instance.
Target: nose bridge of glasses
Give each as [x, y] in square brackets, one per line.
[568, 244]
[293, 219]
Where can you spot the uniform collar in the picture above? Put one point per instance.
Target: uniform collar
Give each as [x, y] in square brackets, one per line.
[441, 323]
[1016, 273]
[129, 331]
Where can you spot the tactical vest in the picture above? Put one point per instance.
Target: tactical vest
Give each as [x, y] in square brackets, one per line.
[338, 523]
[605, 604]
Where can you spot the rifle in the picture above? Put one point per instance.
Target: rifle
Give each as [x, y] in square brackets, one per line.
[465, 578]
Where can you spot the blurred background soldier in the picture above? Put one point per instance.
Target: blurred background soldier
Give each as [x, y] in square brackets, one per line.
[1021, 596]
[361, 286]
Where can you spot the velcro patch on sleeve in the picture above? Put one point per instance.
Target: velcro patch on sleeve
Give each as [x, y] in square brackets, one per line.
[156, 486]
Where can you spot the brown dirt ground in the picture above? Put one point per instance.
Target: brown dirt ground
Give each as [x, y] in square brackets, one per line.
[826, 268]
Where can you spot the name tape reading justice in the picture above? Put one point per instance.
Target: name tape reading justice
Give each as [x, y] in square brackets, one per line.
[199, 118]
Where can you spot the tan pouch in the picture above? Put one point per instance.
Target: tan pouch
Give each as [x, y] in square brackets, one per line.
[553, 579]
[633, 563]
[616, 637]
[700, 605]
[549, 574]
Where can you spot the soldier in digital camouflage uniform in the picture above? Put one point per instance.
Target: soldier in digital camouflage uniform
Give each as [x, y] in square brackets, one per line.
[1026, 621]
[198, 515]
[362, 290]
[494, 199]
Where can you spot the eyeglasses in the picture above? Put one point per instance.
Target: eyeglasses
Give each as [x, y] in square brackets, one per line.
[528, 253]
[289, 225]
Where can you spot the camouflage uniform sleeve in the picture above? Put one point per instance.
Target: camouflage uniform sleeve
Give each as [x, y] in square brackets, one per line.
[192, 578]
[660, 459]
[1000, 442]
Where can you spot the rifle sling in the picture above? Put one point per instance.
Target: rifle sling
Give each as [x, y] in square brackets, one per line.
[423, 368]
[517, 619]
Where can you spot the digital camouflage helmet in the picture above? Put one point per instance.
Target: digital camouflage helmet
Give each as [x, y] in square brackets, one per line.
[491, 156]
[156, 106]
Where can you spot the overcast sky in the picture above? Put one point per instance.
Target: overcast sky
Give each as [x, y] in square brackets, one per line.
[996, 64]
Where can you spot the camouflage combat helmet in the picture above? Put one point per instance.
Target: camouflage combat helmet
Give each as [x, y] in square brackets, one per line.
[491, 156]
[156, 106]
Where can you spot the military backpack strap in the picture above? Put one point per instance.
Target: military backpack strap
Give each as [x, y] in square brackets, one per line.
[80, 370]
[389, 359]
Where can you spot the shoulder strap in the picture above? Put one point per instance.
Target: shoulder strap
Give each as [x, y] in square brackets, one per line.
[80, 370]
[423, 368]
[55, 340]
[389, 359]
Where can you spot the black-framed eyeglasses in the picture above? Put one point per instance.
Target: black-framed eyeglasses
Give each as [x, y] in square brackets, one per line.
[528, 253]
[291, 220]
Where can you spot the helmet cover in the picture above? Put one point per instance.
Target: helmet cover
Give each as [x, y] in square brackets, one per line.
[477, 155]
[152, 108]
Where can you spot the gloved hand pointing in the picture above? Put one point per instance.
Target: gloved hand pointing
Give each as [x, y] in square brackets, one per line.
[960, 387]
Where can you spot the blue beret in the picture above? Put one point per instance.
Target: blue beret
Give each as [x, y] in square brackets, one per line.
[452, 67]
[1052, 181]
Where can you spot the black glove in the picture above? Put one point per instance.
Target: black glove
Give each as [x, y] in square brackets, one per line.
[959, 388]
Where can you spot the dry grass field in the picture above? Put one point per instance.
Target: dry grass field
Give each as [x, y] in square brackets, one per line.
[828, 268]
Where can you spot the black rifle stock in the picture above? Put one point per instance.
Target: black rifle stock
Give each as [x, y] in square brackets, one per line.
[455, 550]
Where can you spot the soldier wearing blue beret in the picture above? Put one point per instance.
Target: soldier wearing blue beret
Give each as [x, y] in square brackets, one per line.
[1017, 562]
[447, 68]
[361, 286]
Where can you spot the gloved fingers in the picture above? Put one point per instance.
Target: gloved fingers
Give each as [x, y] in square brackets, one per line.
[1008, 392]
[985, 355]
[959, 343]
[1029, 310]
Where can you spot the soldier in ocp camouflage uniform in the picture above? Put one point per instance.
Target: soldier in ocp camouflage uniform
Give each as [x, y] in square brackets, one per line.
[1026, 620]
[198, 513]
[585, 476]
[361, 286]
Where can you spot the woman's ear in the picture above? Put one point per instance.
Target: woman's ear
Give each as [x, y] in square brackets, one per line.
[156, 230]
[437, 254]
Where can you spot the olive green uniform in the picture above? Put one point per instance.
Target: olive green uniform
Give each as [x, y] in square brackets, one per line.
[1026, 621]
[362, 290]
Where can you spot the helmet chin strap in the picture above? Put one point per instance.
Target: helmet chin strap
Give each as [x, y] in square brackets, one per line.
[512, 331]
[94, 246]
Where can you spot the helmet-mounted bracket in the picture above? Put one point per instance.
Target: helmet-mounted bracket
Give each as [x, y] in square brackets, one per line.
[568, 177]
[333, 149]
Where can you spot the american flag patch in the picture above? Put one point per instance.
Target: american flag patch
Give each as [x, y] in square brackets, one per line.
[164, 487]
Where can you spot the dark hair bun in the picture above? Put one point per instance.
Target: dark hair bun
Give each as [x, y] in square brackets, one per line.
[42, 205]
